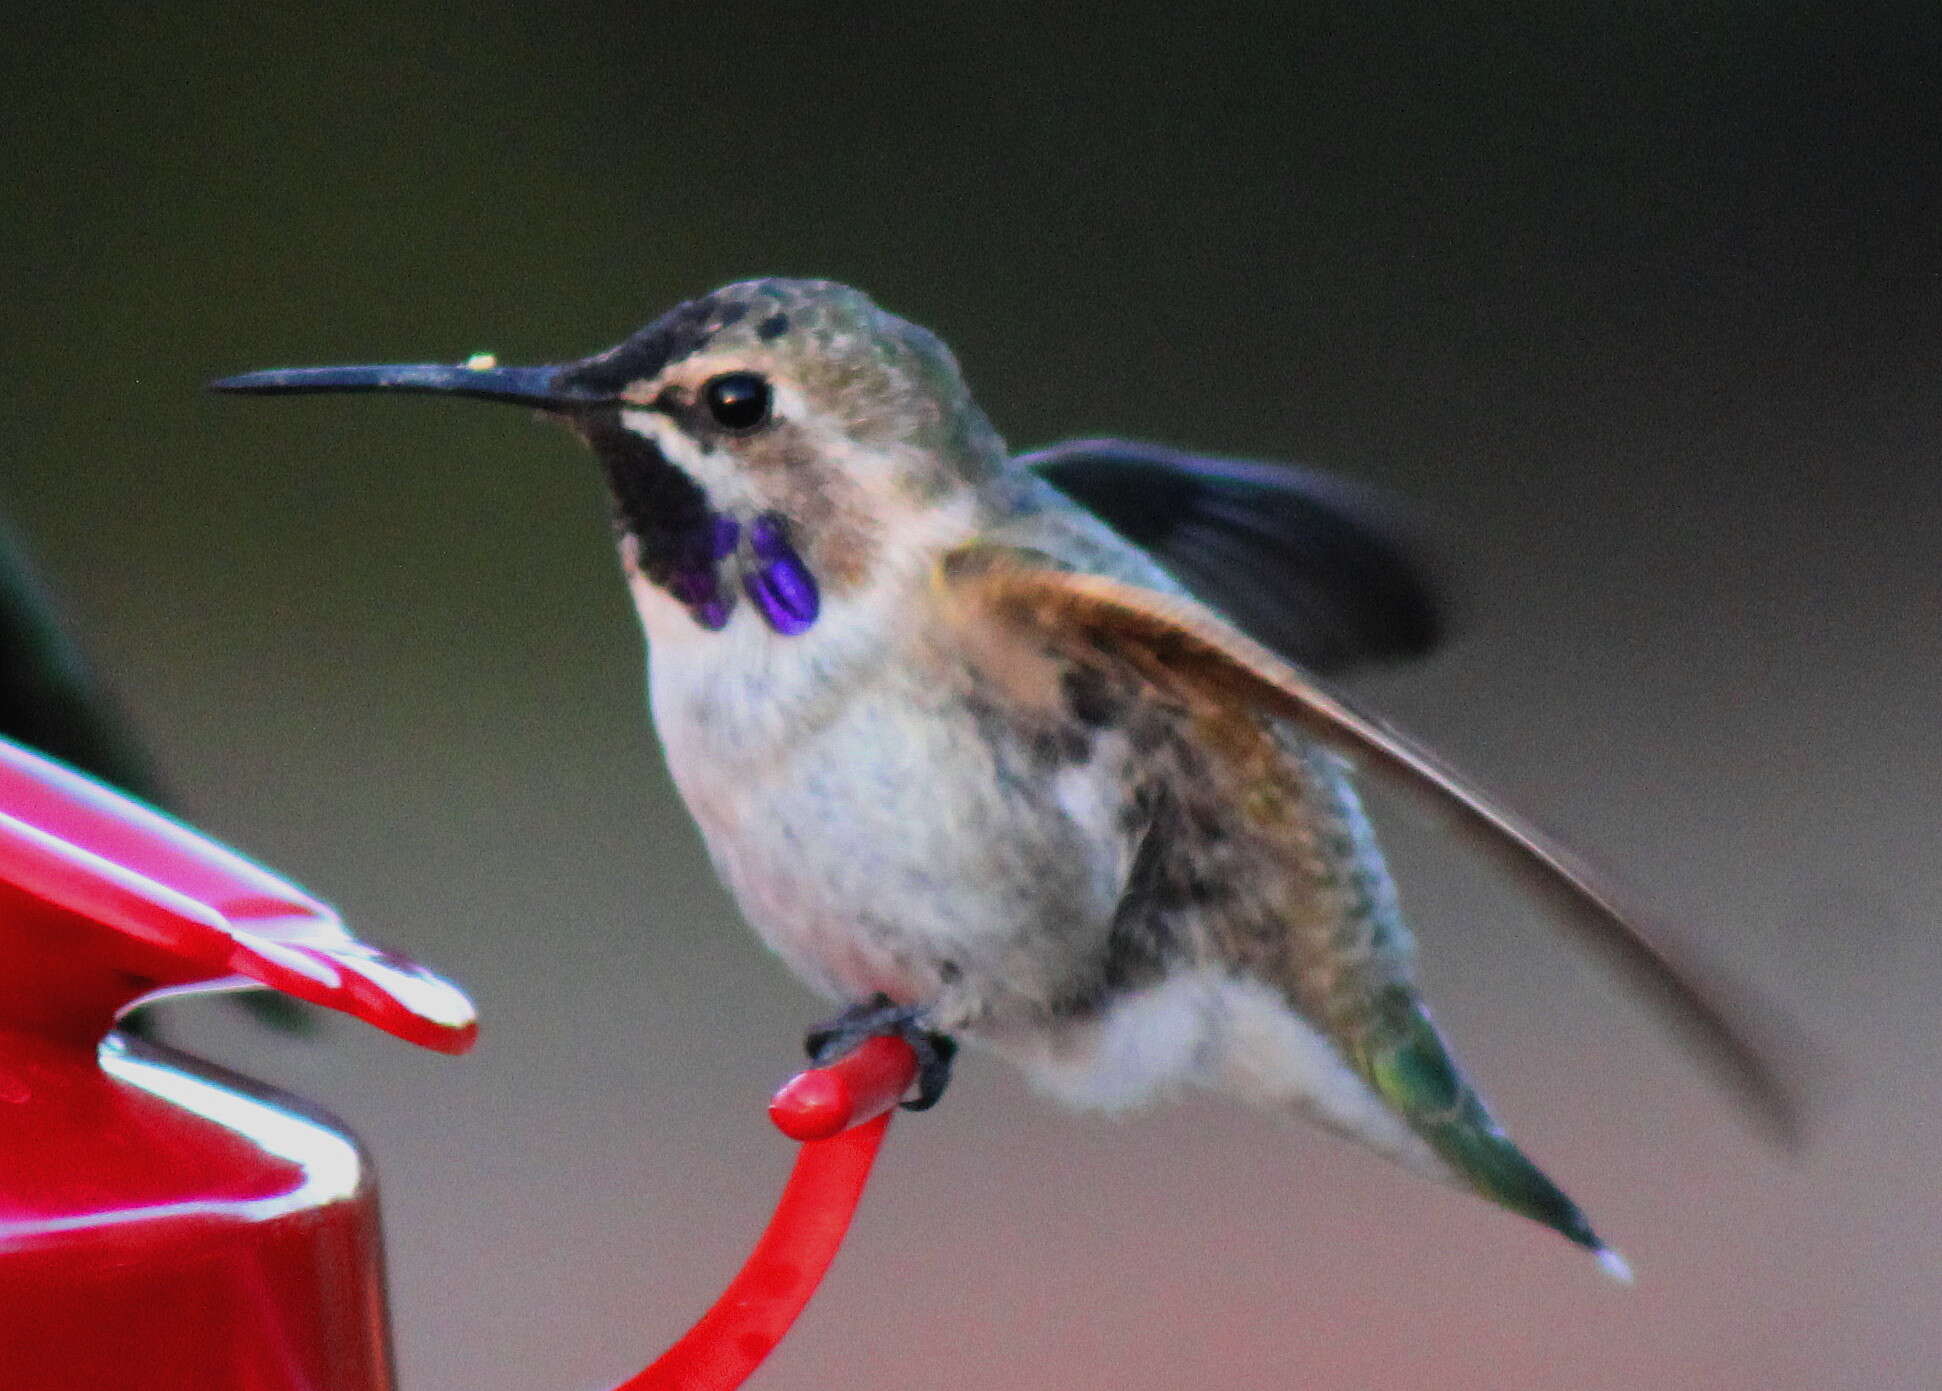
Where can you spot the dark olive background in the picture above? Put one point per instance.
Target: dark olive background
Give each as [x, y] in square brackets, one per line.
[1638, 305]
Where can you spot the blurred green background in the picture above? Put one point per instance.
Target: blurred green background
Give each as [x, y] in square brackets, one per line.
[1639, 306]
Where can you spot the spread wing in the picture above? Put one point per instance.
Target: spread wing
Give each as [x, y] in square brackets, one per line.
[1180, 646]
[1309, 564]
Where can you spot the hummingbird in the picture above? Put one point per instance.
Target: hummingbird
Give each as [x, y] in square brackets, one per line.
[1039, 752]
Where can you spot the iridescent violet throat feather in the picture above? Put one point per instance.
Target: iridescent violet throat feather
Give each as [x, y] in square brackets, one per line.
[780, 585]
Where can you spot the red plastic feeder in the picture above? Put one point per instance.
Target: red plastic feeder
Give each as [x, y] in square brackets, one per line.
[163, 1224]
[170, 1226]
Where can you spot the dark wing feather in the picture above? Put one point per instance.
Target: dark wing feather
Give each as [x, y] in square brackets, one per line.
[48, 697]
[1308, 564]
[1179, 642]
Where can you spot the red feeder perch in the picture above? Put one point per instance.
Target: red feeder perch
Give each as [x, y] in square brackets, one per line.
[840, 1112]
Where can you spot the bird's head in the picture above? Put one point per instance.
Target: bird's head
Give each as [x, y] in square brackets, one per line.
[768, 446]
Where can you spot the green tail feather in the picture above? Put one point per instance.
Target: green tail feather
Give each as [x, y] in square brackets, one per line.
[1404, 1057]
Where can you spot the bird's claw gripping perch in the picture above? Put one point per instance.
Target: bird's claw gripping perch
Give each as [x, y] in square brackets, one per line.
[882, 1017]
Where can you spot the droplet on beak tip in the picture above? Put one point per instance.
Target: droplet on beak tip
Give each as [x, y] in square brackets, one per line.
[1614, 1265]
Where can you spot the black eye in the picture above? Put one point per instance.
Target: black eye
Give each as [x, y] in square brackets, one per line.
[738, 400]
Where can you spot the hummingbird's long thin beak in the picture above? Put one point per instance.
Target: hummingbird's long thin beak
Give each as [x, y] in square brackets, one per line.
[547, 388]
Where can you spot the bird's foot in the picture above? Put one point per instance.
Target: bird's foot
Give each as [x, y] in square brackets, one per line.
[883, 1018]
